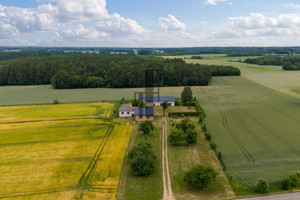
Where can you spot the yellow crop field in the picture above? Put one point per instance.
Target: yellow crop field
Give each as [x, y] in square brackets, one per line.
[55, 111]
[63, 158]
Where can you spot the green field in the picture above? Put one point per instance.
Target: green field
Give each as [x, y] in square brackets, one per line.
[50, 155]
[45, 94]
[183, 157]
[256, 128]
[287, 82]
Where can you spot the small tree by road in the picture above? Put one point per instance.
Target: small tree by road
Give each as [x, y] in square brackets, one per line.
[200, 176]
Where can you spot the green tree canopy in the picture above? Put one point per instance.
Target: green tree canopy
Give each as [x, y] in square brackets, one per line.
[184, 125]
[146, 127]
[187, 94]
[59, 80]
[142, 104]
[142, 159]
[176, 137]
[200, 176]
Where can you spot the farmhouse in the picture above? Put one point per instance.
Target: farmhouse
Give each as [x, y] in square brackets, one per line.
[158, 100]
[143, 114]
[126, 110]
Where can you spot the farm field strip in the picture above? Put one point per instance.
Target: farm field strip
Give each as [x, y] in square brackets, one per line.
[254, 127]
[75, 158]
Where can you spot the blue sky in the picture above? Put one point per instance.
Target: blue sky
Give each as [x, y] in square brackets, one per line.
[155, 23]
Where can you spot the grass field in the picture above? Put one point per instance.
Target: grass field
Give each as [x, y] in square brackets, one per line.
[63, 158]
[256, 128]
[45, 94]
[287, 82]
[184, 157]
[149, 187]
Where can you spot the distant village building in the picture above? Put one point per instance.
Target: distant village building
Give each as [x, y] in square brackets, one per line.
[126, 110]
[158, 100]
[144, 114]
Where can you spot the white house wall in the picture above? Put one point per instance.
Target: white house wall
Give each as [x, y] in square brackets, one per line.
[125, 114]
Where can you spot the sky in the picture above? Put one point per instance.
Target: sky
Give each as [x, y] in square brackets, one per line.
[149, 23]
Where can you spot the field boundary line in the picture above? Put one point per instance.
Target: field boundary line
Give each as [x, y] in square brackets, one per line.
[64, 189]
[86, 175]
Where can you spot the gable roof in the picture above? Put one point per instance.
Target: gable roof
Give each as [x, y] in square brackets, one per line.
[144, 111]
[126, 107]
[158, 99]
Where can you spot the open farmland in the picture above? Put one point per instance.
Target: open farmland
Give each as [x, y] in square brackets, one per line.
[256, 128]
[61, 156]
[287, 82]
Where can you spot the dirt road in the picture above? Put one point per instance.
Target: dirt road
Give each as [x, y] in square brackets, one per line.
[168, 194]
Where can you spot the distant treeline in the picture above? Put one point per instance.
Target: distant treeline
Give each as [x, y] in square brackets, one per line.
[287, 62]
[114, 71]
[220, 70]
[20, 54]
[229, 51]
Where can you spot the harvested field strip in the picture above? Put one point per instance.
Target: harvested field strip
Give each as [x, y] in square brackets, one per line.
[55, 112]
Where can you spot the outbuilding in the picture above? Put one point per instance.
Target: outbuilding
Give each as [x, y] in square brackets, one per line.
[158, 100]
[126, 110]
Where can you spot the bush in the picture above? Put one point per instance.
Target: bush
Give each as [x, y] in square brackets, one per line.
[261, 186]
[285, 184]
[213, 145]
[142, 159]
[55, 101]
[191, 137]
[293, 178]
[200, 176]
[176, 137]
[207, 136]
[204, 127]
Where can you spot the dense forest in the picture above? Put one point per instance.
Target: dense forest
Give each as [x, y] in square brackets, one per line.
[115, 71]
[220, 70]
[287, 62]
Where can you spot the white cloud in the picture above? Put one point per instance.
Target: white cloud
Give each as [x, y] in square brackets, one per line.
[81, 10]
[216, 2]
[15, 20]
[63, 18]
[171, 24]
[259, 21]
[290, 5]
[117, 25]
[257, 24]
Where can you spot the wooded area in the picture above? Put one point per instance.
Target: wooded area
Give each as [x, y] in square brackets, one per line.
[114, 71]
[287, 62]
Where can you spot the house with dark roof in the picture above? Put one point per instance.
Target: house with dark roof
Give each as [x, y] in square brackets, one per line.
[158, 100]
[126, 110]
[144, 114]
